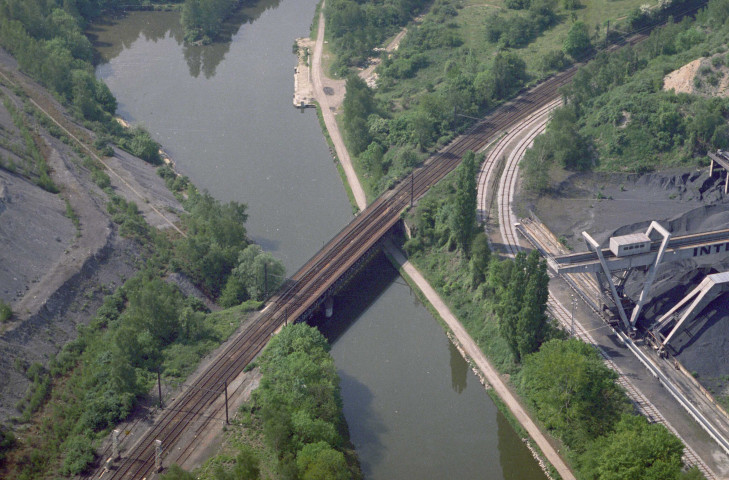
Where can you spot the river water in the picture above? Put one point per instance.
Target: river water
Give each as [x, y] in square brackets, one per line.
[224, 114]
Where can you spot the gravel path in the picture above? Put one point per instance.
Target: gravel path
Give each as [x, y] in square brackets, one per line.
[327, 110]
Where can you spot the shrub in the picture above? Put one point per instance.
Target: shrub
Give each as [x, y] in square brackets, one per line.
[6, 313]
[79, 454]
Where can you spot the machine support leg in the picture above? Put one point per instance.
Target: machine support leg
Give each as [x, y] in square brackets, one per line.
[655, 226]
[593, 245]
[158, 456]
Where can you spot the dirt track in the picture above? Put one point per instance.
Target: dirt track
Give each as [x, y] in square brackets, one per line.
[328, 109]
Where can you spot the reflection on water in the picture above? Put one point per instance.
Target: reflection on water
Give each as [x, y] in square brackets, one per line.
[200, 58]
[403, 383]
[459, 369]
[224, 114]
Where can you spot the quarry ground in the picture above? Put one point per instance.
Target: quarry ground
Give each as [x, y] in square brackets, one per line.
[685, 201]
[54, 271]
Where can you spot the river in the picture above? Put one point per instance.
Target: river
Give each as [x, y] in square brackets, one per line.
[224, 114]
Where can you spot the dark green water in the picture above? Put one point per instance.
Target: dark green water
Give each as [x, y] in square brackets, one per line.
[224, 114]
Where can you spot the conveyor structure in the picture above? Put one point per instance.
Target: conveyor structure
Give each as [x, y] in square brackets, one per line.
[612, 270]
[680, 318]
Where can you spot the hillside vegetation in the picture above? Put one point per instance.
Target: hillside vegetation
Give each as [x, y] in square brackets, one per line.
[147, 327]
[619, 117]
[457, 61]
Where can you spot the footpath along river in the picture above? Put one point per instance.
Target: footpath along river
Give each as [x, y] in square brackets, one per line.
[224, 114]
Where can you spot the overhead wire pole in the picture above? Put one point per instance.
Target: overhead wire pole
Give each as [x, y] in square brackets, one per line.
[412, 188]
[225, 386]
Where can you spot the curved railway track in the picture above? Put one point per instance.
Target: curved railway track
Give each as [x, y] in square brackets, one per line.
[318, 274]
[507, 225]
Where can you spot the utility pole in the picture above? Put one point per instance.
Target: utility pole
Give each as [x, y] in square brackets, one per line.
[115, 444]
[158, 455]
[159, 387]
[412, 188]
[265, 279]
[225, 386]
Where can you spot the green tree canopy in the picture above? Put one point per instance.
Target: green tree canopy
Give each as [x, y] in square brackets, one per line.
[577, 44]
[463, 217]
[636, 449]
[318, 461]
[572, 391]
[520, 290]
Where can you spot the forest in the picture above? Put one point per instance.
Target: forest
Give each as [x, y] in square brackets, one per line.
[452, 67]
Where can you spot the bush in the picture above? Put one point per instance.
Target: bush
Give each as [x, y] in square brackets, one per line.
[143, 146]
[577, 44]
[7, 441]
[6, 312]
[79, 453]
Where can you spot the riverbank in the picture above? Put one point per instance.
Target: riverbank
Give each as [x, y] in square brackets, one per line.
[474, 356]
[57, 265]
[330, 94]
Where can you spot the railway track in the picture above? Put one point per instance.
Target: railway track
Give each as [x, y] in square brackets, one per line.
[548, 245]
[316, 276]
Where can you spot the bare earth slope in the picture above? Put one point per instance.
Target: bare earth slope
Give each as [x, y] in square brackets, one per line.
[52, 272]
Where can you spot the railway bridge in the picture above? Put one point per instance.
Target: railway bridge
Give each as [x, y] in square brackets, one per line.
[321, 276]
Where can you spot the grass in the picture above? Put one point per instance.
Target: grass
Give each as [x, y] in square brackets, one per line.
[245, 431]
[340, 169]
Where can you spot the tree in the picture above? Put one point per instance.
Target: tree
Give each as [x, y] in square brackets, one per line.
[175, 472]
[572, 391]
[318, 461]
[155, 307]
[636, 449]
[480, 256]
[260, 272]
[577, 44]
[532, 326]
[463, 217]
[358, 104]
[520, 301]
[216, 234]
